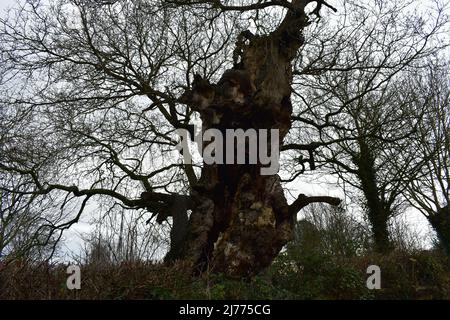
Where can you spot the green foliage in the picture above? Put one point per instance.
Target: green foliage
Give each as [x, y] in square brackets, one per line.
[315, 275]
[260, 287]
[328, 259]
[414, 275]
[294, 275]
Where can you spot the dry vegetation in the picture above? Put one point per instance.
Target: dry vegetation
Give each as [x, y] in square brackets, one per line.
[328, 260]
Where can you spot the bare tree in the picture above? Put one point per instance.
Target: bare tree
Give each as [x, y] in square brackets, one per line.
[331, 231]
[23, 232]
[430, 147]
[130, 235]
[96, 90]
[355, 111]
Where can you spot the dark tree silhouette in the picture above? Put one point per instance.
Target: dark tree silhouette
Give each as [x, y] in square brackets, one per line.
[93, 93]
[427, 189]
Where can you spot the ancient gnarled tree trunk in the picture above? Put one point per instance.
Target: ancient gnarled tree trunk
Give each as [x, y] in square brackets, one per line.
[240, 218]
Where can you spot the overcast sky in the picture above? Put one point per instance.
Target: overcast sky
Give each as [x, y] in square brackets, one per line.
[73, 242]
[6, 3]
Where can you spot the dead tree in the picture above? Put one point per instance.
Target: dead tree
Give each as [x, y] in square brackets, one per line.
[240, 219]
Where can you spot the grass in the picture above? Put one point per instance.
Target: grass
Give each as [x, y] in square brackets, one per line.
[313, 275]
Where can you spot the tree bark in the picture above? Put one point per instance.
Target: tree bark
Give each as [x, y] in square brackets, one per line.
[440, 222]
[240, 218]
[378, 210]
